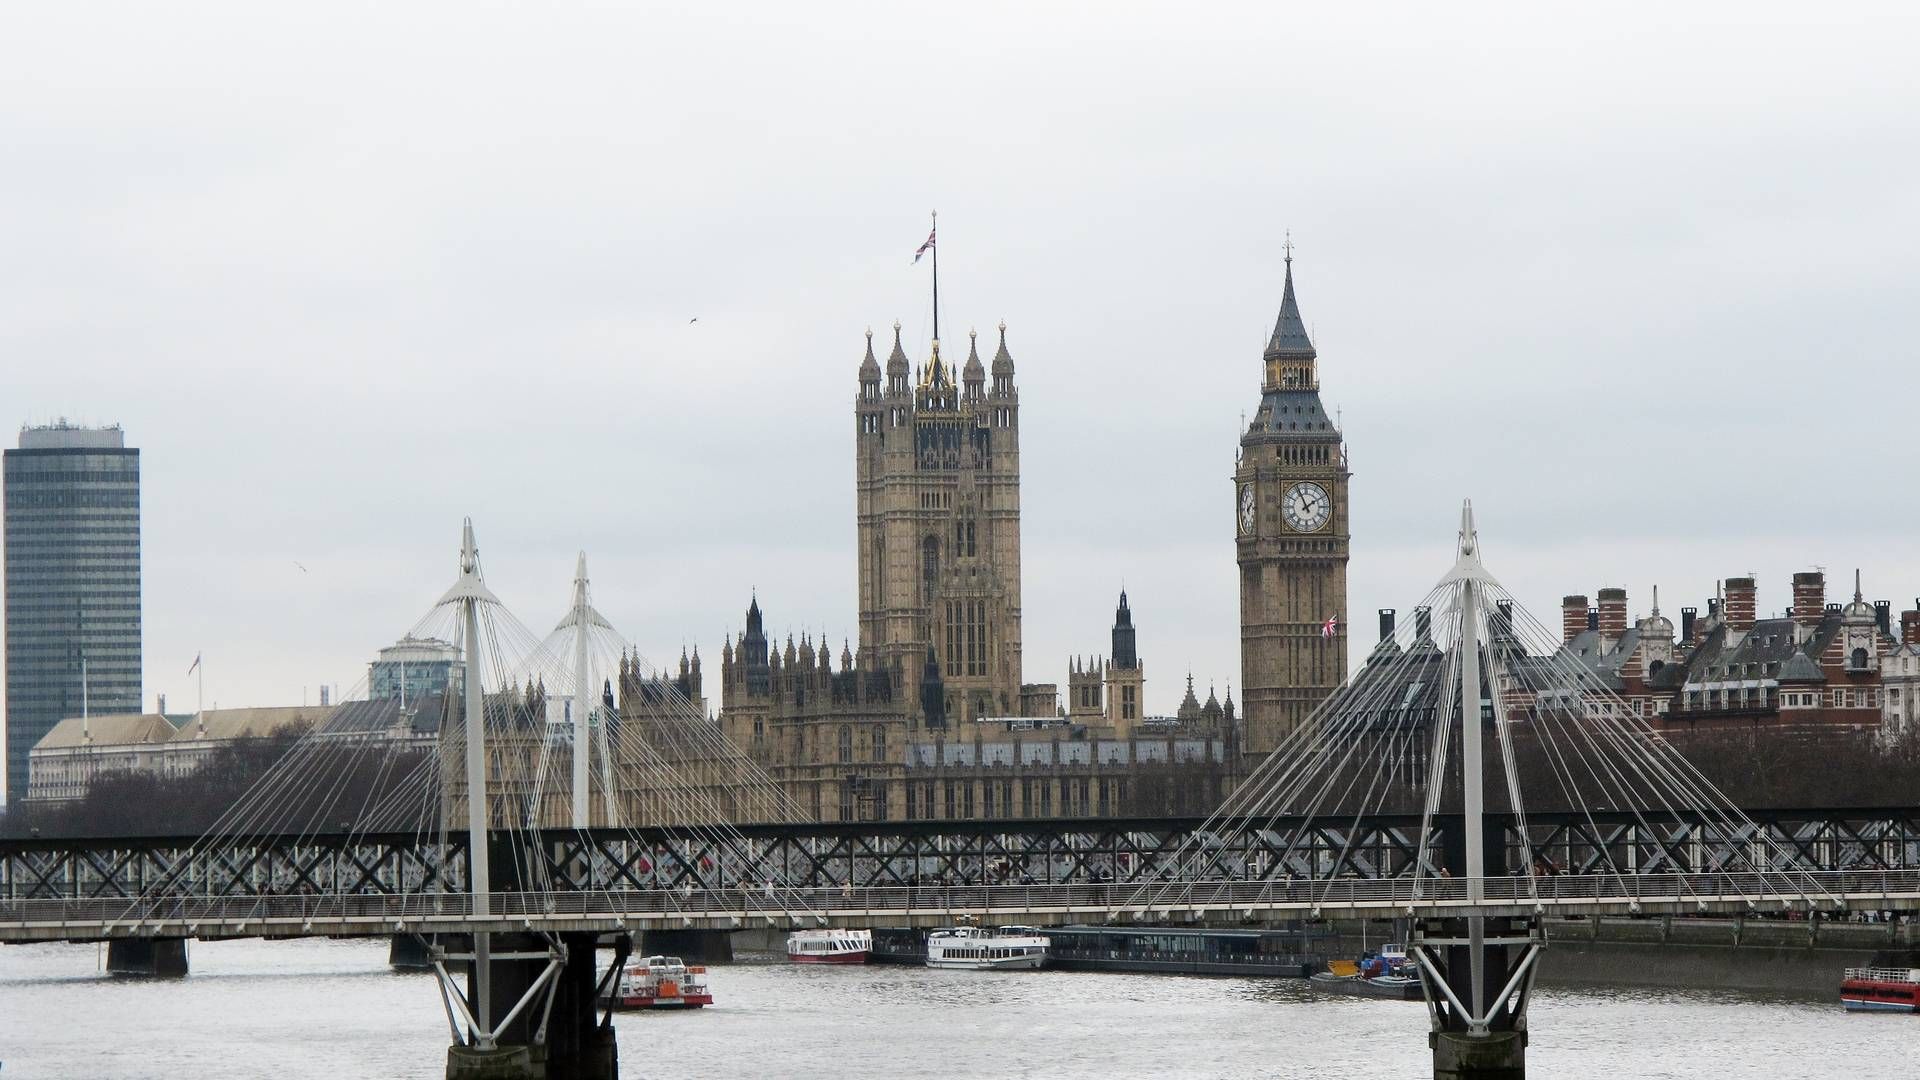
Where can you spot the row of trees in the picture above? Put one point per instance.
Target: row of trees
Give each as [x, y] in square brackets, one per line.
[368, 786]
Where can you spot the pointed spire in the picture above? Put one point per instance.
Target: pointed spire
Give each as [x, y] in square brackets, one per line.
[897, 360]
[1189, 705]
[1289, 332]
[1003, 360]
[974, 374]
[869, 367]
[937, 374]
[1859, 612]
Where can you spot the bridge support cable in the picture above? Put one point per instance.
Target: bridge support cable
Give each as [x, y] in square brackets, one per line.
[1474, 682]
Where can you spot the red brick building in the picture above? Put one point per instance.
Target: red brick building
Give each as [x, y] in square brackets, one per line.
[1816, 669]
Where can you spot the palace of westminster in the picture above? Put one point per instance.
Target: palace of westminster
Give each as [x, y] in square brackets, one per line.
[930, 717]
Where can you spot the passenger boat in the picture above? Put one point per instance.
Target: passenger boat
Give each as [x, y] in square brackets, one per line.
[661, 982]
[1881, 989]
[829, 946]
[1285, 953]
[971, 948]
[898, 945]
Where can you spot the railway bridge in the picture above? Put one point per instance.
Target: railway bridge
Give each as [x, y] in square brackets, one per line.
[516, 845]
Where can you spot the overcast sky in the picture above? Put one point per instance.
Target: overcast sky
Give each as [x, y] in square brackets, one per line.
[1639, 281]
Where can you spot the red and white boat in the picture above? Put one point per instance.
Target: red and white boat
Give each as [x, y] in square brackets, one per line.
[1881, 989]
[829, 946]
[661, 982]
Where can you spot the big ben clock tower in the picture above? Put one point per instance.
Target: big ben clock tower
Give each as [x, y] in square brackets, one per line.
[1290, 524]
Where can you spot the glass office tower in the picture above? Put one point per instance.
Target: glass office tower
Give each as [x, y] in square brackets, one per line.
[72, 499]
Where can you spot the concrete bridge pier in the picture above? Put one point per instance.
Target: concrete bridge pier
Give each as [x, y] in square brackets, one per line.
[580, 1036]
[410, 952]
[693, 946]
[1479, 1032]
[1499, 1055]
[164, 958]
[568, 1038]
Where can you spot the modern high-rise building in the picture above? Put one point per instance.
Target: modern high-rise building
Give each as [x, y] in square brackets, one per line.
[72, 498]
[414, 667]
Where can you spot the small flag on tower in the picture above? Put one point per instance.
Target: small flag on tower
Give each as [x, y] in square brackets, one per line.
[926, 247]
[1332, 624]
[196, 663]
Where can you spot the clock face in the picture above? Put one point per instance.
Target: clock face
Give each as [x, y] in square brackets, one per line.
[1248, 509]
[1306, 507]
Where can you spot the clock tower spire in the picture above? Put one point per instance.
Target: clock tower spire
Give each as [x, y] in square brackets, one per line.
[1291, 538]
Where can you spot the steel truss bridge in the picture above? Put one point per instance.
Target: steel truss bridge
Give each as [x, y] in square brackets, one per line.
[926, 873]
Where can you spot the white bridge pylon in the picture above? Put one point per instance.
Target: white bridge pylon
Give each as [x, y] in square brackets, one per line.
[672, 761]
[1474, 684]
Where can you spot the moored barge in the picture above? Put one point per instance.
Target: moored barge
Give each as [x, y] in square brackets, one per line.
[1279, 953]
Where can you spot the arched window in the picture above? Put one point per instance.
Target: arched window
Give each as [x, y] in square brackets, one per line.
[846, 745]
[1858, 662]
[929, 565]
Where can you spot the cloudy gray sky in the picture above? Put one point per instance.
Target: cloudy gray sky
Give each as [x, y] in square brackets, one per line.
[1638, 280]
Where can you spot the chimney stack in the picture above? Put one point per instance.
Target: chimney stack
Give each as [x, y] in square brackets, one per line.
[1613, 613]
[1593, 618]
[1423, 623]
[1688, 617]
[1809, 598]
[1386, 624]
[1573, 617]
[1883, 616]
[1910, 625]
[1739, 610]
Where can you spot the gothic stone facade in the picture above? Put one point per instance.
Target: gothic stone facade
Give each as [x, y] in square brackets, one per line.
[929, 716]
[1291, 525]
[937, 484]
[847, 745]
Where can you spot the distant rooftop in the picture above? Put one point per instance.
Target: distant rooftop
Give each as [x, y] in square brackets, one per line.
[65, 435]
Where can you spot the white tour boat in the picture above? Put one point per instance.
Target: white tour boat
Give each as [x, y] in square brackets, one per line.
[971, 948]
[661, 982]
[829, 946]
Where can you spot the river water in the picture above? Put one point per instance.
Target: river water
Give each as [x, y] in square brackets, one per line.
[327, 1009]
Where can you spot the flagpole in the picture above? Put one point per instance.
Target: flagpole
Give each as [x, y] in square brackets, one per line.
[936, 277]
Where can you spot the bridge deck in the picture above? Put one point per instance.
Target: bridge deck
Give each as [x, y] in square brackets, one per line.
[1223, 903]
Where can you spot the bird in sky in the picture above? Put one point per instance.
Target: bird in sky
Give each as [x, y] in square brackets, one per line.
[302, 566]
[693, 320]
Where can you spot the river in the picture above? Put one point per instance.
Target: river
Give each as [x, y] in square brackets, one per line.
[332, 1009]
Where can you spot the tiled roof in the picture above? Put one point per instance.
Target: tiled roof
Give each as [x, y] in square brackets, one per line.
[118, 729]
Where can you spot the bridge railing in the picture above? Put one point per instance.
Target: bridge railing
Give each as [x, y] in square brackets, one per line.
[292, 914]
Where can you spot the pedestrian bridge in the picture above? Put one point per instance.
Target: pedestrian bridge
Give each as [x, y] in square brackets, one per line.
[1202, 903]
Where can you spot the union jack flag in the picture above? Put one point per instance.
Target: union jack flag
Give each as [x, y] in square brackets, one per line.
[1332, 624]
[926, 247]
